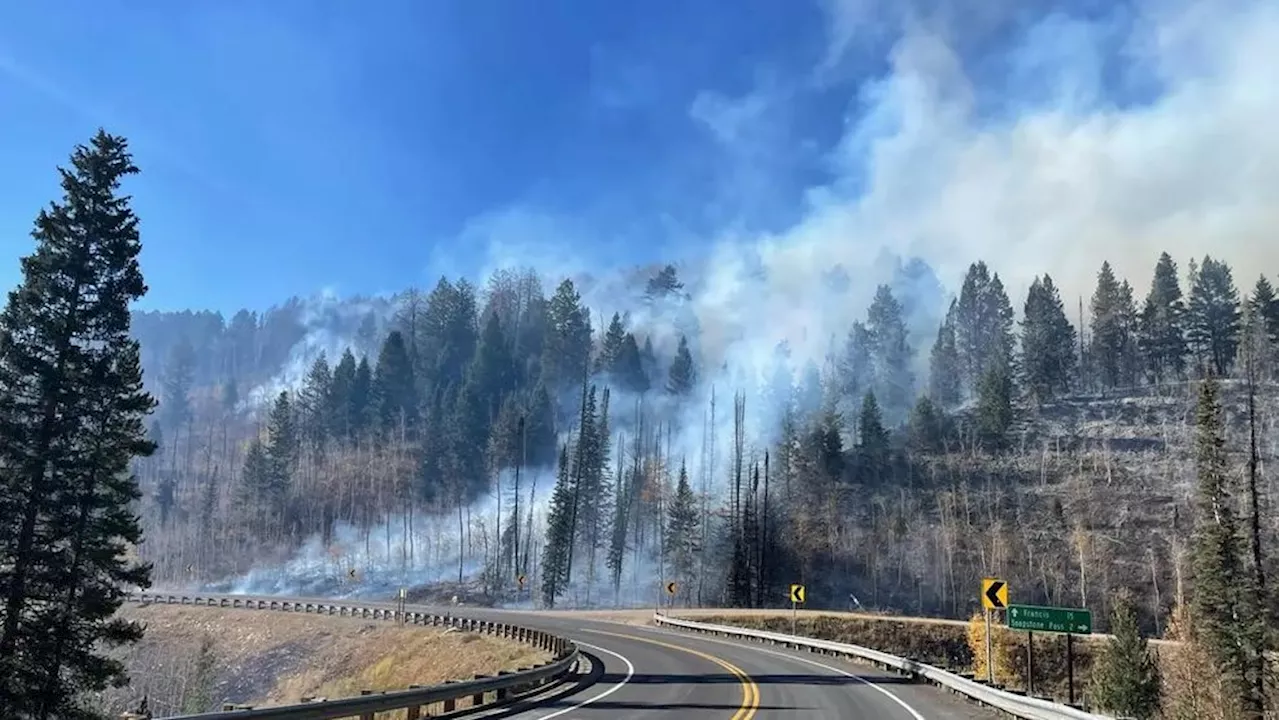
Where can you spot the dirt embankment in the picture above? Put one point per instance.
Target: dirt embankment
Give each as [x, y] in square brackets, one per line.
[195, 659]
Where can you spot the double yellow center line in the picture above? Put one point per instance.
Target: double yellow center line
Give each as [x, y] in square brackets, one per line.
[750, 691]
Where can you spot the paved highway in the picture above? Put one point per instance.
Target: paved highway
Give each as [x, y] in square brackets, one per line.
[651, 673]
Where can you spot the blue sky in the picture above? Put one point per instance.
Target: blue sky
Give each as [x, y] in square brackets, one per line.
[293, 145]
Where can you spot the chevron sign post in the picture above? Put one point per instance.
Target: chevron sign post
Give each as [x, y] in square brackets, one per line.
[994, 595]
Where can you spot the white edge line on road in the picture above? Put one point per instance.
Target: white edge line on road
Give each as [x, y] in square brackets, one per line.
[631, 670]
[788, 656]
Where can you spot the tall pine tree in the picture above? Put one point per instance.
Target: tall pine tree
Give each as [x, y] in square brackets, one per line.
[557, 550]
[983, 322]
[72, 412]
[891, 357]
[682, 376]
[1048, 342]
[1108, 345]
[1223, 598]
[394, 389]
[1161, 325]
[1213, 318]
[944, 364]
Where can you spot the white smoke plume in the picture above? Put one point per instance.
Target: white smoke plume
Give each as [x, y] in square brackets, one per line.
[331, 324]
[1063, 177]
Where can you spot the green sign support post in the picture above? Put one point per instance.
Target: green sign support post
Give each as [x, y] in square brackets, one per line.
[1036, 618]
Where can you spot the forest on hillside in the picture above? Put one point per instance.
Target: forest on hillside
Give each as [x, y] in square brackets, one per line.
[485, 434]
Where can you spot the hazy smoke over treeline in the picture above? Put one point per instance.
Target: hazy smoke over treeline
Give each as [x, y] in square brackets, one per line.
[1087, 137]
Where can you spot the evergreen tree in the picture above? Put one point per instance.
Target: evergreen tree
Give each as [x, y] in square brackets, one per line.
[983, 325]
[995, 407]
[466, 439]
[1213, 318]
[567, 345]
[494, 367]
[1161, 332]
[540, 428]
[1048, 342]
[1222, 598]
[395, 391]
[434, 444]
[891, 355]
[681, 377]
[361, 405]
[648, 360]
[809, 392]
[611, 345]
[1125, 681]
[855, 369]
[591, 475]
[1267, 307]
[340, 397]
[72, 413]
[257, 495]
[1130, 353]
[681, 542]
[449, 332]
[281, 452]
[927, 427]
[944, 364]
[556, 551]
[1260, 332]
[628, 368]
[664, 284]
[1107, 347]
[624, 493]
[1256, 355]
[176, 384]
[873, 440]
[314, 403]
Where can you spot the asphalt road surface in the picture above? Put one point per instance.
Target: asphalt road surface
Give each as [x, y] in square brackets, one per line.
[652, 673]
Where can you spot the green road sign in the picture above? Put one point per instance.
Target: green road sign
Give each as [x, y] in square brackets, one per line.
[1049, 619]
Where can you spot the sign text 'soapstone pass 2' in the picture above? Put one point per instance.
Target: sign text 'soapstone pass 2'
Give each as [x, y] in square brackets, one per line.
[1049, 619]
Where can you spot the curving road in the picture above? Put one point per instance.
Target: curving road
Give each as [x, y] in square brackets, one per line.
[650, 673]
[653, 673]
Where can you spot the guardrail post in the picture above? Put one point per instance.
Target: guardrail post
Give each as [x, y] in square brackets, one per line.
[413, 712]
[478, 698]
[367, 716]
[503, 692]
[451, 704]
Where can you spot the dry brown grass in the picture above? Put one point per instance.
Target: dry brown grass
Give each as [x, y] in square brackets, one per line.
[195, 659]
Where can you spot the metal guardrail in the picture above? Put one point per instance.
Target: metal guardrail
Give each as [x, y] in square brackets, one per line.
[1019, 706]
[505, 686]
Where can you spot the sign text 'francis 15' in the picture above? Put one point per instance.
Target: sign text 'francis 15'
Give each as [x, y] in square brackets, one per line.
[1049, 619]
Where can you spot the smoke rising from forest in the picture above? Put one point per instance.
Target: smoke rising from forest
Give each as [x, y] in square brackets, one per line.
[1148, 129]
